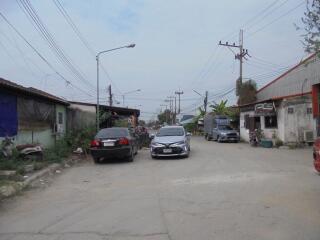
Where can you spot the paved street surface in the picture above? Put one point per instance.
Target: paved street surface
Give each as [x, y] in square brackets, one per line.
[223, 191]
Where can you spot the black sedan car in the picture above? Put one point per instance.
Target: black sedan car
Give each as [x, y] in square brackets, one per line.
[114, 143]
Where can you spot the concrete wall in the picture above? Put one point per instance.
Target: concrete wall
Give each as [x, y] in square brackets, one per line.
[44, 137]
[82, 107]
[298, 122]
[80, 116]
[244, 133]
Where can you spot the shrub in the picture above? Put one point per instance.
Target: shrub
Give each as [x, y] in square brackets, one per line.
[80, 138]
[278, 142]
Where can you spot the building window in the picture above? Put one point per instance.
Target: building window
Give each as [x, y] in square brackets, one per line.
[60, 118]
[290, 110]
[270, 122]
[309, 110]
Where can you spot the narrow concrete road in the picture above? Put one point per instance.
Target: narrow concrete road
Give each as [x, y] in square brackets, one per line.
[223, 191]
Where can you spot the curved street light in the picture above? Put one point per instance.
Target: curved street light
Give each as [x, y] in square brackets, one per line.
[97, 59]
[126, 93]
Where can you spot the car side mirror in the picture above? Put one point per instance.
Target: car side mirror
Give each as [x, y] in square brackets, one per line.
[189, 134]
[151, 136]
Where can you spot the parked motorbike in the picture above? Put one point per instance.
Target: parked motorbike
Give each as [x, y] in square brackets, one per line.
[316, 155]
[30, 150]
[254, 138]
[26, 150]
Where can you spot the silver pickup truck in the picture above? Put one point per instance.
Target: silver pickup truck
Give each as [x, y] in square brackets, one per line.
[217, 127]
[224, 133]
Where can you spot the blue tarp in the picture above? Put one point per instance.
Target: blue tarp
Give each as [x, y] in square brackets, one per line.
[8, 115]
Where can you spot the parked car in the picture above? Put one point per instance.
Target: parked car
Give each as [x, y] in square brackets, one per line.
[115, 142]
[170, 141]
[316, 155]
[217, 127]
[224, 133]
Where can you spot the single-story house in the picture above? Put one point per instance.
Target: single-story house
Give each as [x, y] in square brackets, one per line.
[81, 114]
[30, 115]
[287, 108]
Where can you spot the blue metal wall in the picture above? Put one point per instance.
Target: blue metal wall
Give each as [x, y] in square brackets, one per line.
[8, 115]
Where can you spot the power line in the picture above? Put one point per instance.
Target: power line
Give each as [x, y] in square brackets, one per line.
[37, 23]
[207, 63]
[267, 13]
[40, 55]
[74, 27]
[250, 20]
[278, 18]
[26, 60]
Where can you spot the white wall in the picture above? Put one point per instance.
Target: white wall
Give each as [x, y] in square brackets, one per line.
[244, 133]
[84, 108]
[298, 122]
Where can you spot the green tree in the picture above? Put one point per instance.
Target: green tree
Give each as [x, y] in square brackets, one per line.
[142, 123]
[311, 26]
[247, 92]
[220, 108]
[165, 116]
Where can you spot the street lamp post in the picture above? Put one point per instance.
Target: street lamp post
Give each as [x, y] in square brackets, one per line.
[126, 93]
[97, 59]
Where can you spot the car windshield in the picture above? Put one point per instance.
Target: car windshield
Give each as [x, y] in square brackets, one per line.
[170, 132]
[112, 133]
[223, 127]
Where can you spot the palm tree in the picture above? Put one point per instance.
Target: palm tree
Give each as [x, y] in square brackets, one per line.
[220, 108]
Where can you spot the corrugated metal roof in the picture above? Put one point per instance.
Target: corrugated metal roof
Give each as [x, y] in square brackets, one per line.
[295, 81]
[30, 91]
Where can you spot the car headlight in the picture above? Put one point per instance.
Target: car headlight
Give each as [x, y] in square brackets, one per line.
[155, 144]
[179, 143]
[223, 133]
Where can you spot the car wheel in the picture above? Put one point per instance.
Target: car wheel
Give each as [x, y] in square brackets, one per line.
[131, 157]
[136, 152]
[153, 157]
[96, 160]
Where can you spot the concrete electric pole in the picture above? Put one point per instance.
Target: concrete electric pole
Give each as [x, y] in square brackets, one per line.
[179, 93]
[242, 52]
[110, 95]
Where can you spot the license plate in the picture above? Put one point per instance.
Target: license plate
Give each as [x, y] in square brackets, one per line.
[108, 144]
[168, 150]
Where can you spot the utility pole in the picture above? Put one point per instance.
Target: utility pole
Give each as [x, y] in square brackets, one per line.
[205, 102]
[110, 95]
[175, 109]
[169, 101]
[242, 52]
[179, 93]
[171, 107]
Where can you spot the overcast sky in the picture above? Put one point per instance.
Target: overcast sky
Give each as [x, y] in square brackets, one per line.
[176, 47]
